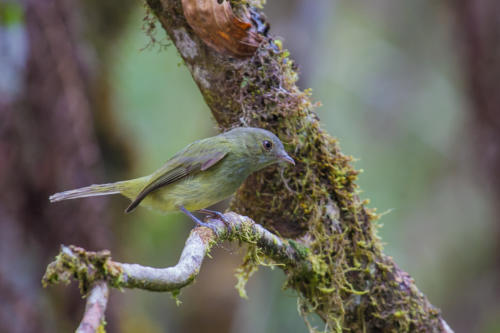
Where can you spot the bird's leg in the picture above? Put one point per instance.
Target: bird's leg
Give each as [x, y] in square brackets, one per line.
[215, 214]
[197, 220]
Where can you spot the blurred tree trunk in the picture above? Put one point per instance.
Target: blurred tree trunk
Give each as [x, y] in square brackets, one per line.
[48, 142]
[478, 35]
[478, 24]
[306, 24]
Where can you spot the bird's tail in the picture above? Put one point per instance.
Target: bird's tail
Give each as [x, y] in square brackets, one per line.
[88, 191]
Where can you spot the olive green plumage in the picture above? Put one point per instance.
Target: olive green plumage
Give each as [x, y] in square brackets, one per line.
[202, 174]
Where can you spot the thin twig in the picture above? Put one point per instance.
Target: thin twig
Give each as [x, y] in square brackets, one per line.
[94, 309]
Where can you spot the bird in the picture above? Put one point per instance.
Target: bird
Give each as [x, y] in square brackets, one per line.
[201, 174]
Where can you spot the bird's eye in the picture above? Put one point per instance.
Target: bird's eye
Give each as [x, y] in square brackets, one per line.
[267, 145]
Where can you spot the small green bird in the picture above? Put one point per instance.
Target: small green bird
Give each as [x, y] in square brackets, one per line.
[200, 175]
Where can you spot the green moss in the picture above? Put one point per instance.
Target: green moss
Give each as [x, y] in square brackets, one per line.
[84, 266]
[246, 270]
[175, 295]
[301, 250]
[102, 327]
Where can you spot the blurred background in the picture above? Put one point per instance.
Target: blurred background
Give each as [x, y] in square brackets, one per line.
[410, 88]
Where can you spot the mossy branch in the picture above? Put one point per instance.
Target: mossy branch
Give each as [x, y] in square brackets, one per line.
[89, 267]
[94, 271]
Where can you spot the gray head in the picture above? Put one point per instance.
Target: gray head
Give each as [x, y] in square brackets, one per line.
[262, 146]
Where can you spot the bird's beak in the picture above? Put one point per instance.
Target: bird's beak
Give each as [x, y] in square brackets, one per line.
[287, 159]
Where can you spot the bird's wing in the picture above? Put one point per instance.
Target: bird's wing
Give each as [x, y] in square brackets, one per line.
[179, 167]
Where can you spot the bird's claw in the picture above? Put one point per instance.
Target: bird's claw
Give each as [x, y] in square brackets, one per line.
[216, 214]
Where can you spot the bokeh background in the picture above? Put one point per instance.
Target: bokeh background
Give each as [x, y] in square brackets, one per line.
[409, 88]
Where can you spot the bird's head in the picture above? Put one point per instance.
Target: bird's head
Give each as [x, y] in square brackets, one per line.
[263, 147]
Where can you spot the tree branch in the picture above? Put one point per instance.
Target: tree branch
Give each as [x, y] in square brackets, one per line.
[97, 301]
[93, 270]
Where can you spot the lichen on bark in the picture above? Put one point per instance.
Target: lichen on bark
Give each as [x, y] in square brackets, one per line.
[353, 285]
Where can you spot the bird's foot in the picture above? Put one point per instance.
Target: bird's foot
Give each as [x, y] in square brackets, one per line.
[216, 214]
[197, 220]
[208, 225]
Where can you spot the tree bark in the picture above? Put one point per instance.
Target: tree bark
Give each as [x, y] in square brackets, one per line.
[353, 286]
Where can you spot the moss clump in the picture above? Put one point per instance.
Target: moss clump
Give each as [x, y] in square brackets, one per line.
[86, 267]
[246, 270]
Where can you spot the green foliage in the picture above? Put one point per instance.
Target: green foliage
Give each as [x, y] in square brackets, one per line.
[11, 13]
